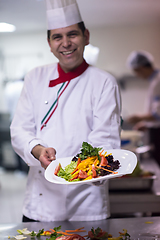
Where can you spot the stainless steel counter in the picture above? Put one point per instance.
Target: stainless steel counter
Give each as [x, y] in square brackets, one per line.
[136, 227]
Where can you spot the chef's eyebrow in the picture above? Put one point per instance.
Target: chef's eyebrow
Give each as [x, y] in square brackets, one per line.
[73, 32]
[58, 35]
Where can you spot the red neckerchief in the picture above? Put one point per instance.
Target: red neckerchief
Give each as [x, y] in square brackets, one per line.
[63, 77]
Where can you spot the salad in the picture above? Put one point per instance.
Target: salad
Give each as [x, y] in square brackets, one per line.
[89, 163]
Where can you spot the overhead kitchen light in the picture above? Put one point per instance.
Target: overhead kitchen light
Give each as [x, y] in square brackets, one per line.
[6, 27]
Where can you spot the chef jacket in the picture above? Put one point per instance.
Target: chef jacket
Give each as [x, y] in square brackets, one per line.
[153, 99]
[88, 109]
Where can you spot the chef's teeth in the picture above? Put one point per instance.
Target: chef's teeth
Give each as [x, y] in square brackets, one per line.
[66, 53]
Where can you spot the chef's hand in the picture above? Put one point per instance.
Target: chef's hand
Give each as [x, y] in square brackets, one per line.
[99, 183]
[140, 126]
[44, 155]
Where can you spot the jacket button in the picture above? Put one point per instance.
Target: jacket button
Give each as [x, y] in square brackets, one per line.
[40, 171]
[40, 194]
[46, 102]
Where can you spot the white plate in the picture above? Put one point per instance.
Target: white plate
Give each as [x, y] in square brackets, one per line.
[127, 159]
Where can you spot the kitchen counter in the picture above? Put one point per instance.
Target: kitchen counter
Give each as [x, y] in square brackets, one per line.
[142, 202]
[138, 228]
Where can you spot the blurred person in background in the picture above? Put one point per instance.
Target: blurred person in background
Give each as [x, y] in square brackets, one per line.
[12, 94]
[142, 64]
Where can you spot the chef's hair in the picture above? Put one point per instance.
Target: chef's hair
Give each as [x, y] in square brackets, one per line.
[139, 59]
[142, 61]
[81, 25]
[148, 65]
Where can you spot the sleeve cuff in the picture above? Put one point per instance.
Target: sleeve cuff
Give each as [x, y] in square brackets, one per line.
[30, 159]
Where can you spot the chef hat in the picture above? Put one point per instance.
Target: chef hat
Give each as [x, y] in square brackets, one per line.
[62, 13]
[139, 58]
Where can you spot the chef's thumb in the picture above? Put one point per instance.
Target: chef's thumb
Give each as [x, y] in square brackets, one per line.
[51, 153]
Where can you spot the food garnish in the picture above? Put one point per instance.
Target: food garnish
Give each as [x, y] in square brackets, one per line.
[88, 164]
[98, 234]
[125, 235]
[57, 234]
[18, 237]
[24, 231]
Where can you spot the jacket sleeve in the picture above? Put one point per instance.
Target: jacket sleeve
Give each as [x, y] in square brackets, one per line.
[107, 117]
[23, 127]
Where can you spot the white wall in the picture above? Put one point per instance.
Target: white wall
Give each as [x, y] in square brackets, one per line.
[23, 52]
[116, 43]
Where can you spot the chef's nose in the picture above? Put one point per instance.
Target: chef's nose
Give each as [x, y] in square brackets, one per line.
[66, 42]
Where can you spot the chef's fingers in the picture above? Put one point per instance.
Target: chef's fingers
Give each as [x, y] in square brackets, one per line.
[98, 183]
[51, 153]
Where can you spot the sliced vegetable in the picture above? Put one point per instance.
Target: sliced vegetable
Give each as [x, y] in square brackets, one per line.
[104, 161]
[75, 237]
[24, 231]
[57, 169]
[97, 234]
[107, 170]
[57, 234]
[18, 237]
[94, 174]
[82, 174]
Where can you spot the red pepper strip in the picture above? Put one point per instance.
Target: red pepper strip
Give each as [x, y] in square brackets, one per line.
[107, 170]
[75, 177]
[77, 230]
[76, 169]
[65, 233]
[100, 154]
[94, 174]
[78, 162]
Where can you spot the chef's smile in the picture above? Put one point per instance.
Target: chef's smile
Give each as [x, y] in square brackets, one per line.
[67, 44]
[66, 53]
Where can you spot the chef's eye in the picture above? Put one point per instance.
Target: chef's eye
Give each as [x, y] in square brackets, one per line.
[56, 37]
[72, 34]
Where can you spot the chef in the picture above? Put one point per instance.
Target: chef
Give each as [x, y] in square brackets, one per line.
[61, 106]
[142, 64]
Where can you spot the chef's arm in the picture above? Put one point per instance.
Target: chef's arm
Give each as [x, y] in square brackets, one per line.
[23, 129]
[138, 118]
[44, 155]
[107, 116]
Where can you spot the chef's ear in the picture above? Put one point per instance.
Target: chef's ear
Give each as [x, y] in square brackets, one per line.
[86, 36]
[48, 37]
[48, 40]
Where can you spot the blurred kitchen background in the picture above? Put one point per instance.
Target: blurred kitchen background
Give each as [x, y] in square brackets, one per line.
[117, 27]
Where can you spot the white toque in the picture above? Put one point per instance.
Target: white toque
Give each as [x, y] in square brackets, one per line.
[139, 58]
[62, 13]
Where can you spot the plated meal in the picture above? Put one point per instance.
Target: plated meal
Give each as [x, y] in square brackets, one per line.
[88, 164]
[91, 165]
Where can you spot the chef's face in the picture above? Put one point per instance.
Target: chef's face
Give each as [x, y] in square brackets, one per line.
[67, 44]
[142, 72]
